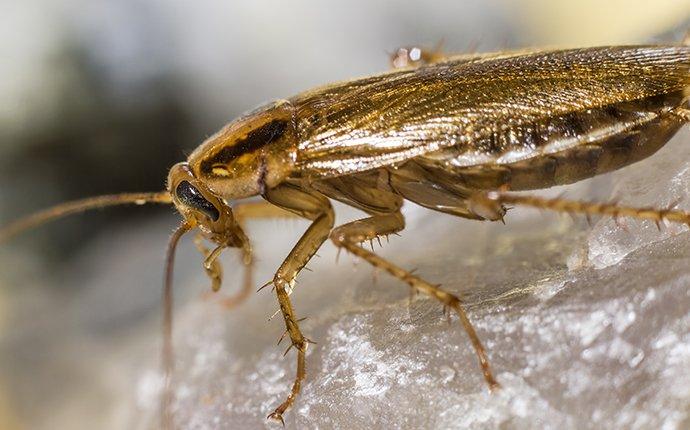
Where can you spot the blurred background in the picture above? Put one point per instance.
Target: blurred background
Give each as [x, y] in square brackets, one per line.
[104, 96]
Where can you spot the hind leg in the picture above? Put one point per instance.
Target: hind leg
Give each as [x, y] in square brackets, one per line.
[493, 202]
[351, 235]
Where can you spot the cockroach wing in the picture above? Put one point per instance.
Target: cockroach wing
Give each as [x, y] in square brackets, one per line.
[488, 109]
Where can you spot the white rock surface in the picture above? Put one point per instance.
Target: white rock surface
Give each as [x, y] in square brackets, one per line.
[602, 344]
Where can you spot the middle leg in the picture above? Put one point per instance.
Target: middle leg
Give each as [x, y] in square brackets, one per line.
[351, 235]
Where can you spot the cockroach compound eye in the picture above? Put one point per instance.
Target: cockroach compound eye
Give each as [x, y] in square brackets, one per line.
[455, 134]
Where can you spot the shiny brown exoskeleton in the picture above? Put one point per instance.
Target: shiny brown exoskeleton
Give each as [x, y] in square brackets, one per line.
[453, 134]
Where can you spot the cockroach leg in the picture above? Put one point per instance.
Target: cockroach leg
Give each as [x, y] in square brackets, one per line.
[349, 236]
[243, 213]
[614, 210]
[317, 208]
[259, 210]
[299, 342]
[247, 281]
[211, 264]
[683, 113]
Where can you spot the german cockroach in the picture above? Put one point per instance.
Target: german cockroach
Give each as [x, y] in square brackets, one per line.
[455, 134]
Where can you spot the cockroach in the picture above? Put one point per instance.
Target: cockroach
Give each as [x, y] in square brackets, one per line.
[455, 134]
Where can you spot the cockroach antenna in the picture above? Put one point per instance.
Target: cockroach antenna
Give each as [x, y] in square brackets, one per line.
[100, 202]
[78, 206]
[168, 355]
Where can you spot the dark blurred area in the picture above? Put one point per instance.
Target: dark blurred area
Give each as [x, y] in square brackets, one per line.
[102, 97]
[104, 134]
[96, 147]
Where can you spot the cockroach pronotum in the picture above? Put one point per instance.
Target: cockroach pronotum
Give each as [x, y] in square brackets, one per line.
[455, 134]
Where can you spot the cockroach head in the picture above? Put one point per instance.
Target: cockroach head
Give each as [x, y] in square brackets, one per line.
[203, 209]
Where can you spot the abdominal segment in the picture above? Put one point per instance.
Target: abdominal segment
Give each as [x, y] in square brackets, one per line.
[564, 149]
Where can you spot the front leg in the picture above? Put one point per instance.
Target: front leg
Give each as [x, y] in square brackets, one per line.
[317, 208]
[243, 213]
[212, 266]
